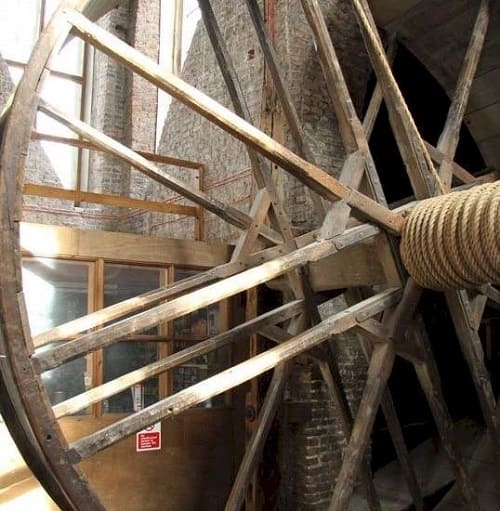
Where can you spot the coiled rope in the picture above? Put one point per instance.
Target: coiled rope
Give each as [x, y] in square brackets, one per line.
[451, 241]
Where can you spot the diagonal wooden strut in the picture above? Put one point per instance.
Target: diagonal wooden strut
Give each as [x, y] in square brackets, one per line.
[257, 441]
[420, 168]
[378, 373]
[448, 141]
[428, 377]
[233, 376]
[309, 174]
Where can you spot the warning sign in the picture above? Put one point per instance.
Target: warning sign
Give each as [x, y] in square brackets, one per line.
[149, 439]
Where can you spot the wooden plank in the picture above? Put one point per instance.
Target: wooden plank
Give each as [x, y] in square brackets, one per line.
[398, 440]
[232, 377]
[257, 441]
[373, 109]
[331, 376]
[448, 141]
[105, 390]
[65, 242]
[85, 144]
[388, 408]
[423, 176]
[228, 213]
[458, 171]
[428, 377]
[378, 373]
[472, 350]
[258, 213]
[109, 200]
[309, 174]
[212, 293]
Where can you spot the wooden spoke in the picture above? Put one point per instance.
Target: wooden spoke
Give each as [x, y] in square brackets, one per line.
[378, 373]
[232, 377]
[419, 166]
[465, 327]
[371, 331]
[212, 293]
[284, 96]
[449, 138]
[257, 441]
[378, 96]
[428, 377]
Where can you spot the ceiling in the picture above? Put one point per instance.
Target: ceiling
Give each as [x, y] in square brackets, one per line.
[437, 32]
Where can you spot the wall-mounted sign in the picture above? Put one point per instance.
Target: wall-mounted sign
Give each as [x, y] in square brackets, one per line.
[149, 439]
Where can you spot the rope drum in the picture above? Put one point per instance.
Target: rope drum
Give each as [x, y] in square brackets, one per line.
[451, 242]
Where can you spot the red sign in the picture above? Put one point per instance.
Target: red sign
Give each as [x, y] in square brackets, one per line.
[149, 439]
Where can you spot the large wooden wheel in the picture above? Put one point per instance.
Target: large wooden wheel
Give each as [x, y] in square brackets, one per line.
[34, 421]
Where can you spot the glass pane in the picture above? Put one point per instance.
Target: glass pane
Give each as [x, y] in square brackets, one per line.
[19, 24]
[70, 58]
[199, 369]
[56, 291]
[122, 282]
[63, 160]
[65, 95]
[197, 326]
[16, 74]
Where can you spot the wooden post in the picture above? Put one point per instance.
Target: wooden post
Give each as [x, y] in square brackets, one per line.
[378, 373]
[428, 377]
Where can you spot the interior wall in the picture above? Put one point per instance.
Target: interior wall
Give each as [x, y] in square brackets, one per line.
[193, 470]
